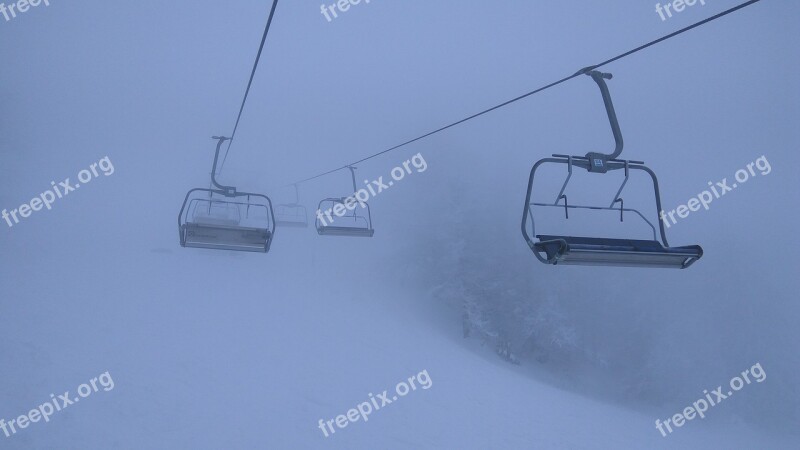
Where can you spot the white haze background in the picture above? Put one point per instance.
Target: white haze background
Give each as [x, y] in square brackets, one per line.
[221, 350]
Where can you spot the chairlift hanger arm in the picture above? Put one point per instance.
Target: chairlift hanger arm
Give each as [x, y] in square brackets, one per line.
[598, 160]
[353, 175]
[228, 191]
[296, 195]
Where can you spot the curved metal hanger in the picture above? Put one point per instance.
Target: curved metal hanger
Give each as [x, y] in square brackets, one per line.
[598, 160]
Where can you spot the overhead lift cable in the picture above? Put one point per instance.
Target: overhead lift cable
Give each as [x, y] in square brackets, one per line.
[250, 83]
[583, 71]
[220, 217]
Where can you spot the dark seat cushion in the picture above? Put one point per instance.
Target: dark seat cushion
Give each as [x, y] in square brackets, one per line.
[635, 245]
[627, 244]
[615, 252]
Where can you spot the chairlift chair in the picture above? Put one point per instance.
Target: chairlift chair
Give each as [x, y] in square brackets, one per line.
[597, 251]
[222, 218]
[350, 223]
[292, 215]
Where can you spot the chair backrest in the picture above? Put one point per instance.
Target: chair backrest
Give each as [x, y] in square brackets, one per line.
[215, 212]
[218, 237]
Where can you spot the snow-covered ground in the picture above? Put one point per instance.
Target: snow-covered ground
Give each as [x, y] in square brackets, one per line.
[212, 350]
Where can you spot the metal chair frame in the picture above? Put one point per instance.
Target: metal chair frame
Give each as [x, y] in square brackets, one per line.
[599, 251]
[297, 220]
[333, 230]
[225, 237]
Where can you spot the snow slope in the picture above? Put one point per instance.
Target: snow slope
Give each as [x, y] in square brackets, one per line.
[221, 350]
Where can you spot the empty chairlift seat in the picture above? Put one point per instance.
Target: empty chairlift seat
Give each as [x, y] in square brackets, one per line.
[355, 221]
[226, 225]
[350, 224]
[225, 219]
[558, 249]
[292, 215]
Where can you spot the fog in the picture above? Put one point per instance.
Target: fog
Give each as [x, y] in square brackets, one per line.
[195, 338]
